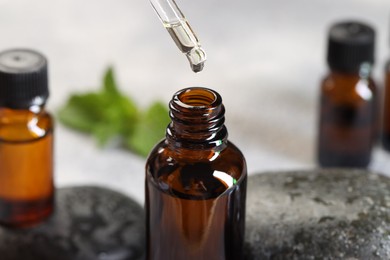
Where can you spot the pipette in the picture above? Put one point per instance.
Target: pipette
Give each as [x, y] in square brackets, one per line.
[181, 32]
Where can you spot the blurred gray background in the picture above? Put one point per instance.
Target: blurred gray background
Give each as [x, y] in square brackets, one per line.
[266, 59]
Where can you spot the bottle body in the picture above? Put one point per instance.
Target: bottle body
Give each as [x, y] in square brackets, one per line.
[26, 166]
[191, 213]
[348, 120]
[386, 111]
[195, 192]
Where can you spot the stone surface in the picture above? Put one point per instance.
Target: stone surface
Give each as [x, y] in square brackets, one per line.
[88, 223]
[324, 214]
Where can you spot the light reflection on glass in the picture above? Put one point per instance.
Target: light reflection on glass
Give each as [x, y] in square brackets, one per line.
[363, 90]
[33, 127]
[214, 156]
[225, 178]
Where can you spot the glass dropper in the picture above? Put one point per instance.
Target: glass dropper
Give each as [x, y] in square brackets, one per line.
[181, 32]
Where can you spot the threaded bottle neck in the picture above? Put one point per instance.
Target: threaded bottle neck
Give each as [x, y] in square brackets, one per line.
[198, 118]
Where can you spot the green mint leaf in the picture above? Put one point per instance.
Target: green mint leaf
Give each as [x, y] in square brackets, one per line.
[104, 132]
[99, 114]
[127, 114]
[81, 112]
[121, 110]
[109, 82]
[105, 114]
[149, 130]
[108, 113]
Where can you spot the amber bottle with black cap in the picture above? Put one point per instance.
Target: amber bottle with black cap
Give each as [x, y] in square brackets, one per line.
[386, 110]
[195, 184]
[348, 106]
[26, 139]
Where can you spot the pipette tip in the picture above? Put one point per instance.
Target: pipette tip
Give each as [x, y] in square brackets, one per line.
[197, 57]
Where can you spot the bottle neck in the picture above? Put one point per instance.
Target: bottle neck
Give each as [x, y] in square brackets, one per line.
[23, 124]
[361, 72]
[21, 114]
[21, 118]
[198, 117]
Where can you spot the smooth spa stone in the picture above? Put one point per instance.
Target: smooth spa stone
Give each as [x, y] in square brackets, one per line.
[321, 214]
[88, 223]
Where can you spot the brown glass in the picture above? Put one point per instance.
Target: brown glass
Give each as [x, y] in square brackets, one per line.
[386, 111]
[348, 120]
[195, 184]
[26, 166]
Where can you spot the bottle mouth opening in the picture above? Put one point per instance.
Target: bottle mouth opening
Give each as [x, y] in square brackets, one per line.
[197, 98]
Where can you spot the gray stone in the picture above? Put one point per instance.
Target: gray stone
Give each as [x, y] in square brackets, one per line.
[322, 214]
[88, 223]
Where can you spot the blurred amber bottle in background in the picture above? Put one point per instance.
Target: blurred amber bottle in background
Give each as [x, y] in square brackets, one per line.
[195, 184]
[26, 141]
[348, 98]
[386, 110]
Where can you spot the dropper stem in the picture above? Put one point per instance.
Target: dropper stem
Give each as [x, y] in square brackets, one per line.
[167, 10]
[181, 32]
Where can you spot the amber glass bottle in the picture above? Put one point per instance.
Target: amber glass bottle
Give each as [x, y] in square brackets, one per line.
[195, 184]
[386, 111]
[348, 108]
[26, 145]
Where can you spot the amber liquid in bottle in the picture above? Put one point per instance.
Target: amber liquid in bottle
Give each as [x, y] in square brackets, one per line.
[195, 184]
[26, 167]
[348, 122]
[386, 111]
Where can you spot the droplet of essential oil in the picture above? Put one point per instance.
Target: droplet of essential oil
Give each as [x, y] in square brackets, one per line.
[197, 57]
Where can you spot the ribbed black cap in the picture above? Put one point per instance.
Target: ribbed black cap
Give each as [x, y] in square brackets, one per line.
[350, 44]
[23, 78]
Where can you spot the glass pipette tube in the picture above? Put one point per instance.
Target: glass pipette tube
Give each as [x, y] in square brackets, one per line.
[181, 32]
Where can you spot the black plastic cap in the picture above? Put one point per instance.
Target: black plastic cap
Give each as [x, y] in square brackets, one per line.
[350, 44]
[23, 79]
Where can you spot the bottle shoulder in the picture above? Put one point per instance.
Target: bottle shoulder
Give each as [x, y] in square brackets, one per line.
[163, 150]
[229, 160]
[190, 177]
[348, 88]
[346, 81]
